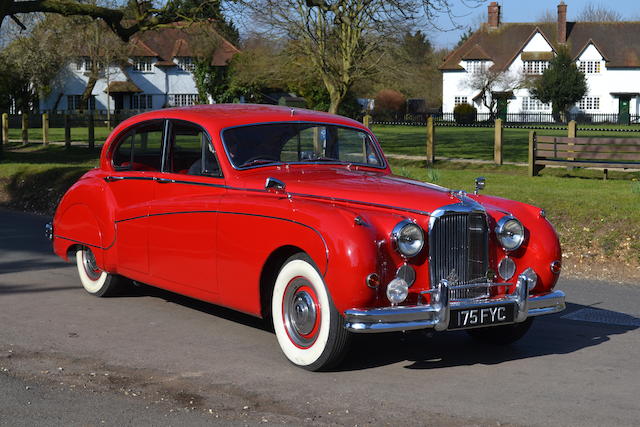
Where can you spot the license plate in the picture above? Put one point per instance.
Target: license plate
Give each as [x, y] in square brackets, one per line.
[481, 316]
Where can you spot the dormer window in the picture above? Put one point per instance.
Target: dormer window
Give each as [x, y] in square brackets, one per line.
[84, 63]
[187, 63]
[534, 66]
[477, 66]
[589, 67]
[142, 63]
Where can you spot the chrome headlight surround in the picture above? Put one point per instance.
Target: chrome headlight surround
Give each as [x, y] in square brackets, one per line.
[510, 232]
[407, 238]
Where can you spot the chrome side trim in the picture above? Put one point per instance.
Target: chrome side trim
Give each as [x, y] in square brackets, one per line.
[436, 314]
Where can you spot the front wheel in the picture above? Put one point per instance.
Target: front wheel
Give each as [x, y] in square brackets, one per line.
[309, 328]
[94, 280]
[501, 335]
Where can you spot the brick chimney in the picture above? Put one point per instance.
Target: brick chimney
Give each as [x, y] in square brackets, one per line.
[562, 22]
[494, 15]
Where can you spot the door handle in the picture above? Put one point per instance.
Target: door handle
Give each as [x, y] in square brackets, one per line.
[113, 178]
[164, 180]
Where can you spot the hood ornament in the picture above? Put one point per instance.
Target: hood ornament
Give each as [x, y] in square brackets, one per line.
[480, 182]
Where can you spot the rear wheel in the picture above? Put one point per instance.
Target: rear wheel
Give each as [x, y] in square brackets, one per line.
[94, 280]
[501, 335]
[309, 328]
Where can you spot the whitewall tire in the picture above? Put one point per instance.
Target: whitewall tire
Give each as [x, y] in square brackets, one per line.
[308, 327]
[93, 279]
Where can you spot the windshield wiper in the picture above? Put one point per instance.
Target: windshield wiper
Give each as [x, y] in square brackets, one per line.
[258, 162]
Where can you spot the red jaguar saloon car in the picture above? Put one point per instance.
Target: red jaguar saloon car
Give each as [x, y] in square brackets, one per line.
[294, 216]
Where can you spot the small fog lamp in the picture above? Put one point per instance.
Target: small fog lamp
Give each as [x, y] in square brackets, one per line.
[397, 291]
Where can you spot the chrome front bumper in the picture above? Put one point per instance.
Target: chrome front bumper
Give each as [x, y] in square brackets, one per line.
[436, 314]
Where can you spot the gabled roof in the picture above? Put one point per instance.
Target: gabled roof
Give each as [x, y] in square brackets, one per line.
[181, 40]
[618, 42]
[476, 52]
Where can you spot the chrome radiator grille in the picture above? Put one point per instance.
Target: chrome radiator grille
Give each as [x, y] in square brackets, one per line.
[458, 244]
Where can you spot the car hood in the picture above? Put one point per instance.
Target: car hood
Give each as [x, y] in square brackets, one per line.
[356, 186]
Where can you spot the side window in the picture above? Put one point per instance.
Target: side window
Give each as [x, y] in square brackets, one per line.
[141, 148]
[191, 151]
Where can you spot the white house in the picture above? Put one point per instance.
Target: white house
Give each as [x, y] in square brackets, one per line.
[158, 73]
[607, 52]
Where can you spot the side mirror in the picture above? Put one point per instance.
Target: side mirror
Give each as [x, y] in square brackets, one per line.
[480, 182]
[274, 185]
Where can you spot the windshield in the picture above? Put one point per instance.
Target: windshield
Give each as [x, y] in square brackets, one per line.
[270, 143]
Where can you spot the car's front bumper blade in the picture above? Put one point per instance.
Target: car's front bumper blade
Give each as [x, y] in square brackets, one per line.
[436, 314]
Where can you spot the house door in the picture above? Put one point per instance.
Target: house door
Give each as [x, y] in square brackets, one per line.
[118, 101]
[502, 108]
[623, 110]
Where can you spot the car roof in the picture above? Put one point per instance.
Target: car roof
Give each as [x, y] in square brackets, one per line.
[228, 115]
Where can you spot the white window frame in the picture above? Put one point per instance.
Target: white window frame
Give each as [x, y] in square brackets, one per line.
[530, 103]
[477, 66]
[534, 67]
[457, 100]
[142, 64]
[590, 67]
[183, 99]
[187, 63]
[141, 102]
[589, 103]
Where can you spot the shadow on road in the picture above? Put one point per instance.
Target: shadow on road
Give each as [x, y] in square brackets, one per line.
[549, 335]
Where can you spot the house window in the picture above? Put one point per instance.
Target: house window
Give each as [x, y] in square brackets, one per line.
[589, 67]
[460, 100]
[141, 102]
[142, 63]
[589, 103]
[84, 64]
[535, 67]
[529, 103]
[74, 102]
[476, 66]
[183, 99]
[186, 63]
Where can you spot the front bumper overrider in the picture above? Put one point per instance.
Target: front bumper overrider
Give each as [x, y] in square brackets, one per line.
[436, 314]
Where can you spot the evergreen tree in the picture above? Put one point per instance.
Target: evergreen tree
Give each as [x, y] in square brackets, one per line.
[562, 84]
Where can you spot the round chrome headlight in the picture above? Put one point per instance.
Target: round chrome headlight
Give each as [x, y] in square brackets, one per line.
[408, 238]
[510, 233]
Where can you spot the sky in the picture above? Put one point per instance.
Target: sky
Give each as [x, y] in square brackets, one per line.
[521, 11]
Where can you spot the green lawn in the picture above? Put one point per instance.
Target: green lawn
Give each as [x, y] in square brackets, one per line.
[470, 142]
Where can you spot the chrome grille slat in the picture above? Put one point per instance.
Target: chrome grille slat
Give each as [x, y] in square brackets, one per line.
[459, 252]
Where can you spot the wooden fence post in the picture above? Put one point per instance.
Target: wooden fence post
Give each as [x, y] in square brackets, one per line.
[532, 153]
[25, 128]
[92, 133]
[5, 128]
[572, 132]
[431, 141]
[45, 128]
[366, 120]
[497, 146]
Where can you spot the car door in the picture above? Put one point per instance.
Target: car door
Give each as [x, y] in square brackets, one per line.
[183, 214]
[136, 161]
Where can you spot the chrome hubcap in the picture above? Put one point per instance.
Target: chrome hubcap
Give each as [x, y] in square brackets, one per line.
[90, 266]
[301, 312]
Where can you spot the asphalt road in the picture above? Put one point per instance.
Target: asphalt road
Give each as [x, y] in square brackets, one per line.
[156, 358]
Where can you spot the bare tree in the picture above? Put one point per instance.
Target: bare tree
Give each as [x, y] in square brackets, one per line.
[598, 13]
[344, 40]
[547, 16]
[487, 82]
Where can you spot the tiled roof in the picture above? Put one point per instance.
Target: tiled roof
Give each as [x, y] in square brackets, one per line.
[178, 40]
[122, 87]
[618, 42]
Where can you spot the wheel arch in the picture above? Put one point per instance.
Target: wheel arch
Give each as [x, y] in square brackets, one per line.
[269, 272]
